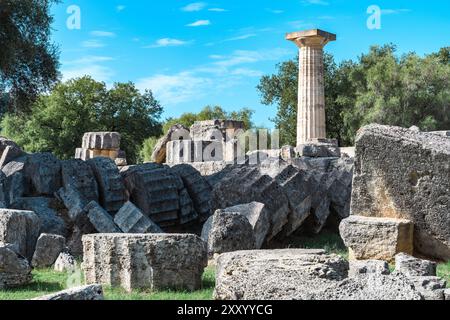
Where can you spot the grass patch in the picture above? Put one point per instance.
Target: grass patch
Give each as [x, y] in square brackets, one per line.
[443, 271]
[46, 281]
[328, 240]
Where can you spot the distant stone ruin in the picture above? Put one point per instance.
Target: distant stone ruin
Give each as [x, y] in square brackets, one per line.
[101, 144]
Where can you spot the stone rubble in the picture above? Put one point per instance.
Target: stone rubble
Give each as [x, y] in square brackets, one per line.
[65, 262]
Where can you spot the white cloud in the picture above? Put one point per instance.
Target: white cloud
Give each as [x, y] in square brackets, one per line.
[193, 7]
[246, 56]
[243, 37]
[88, 60]
[177, 88]
[93, 44]
[394, 11]
[217, 10]
[199, 23]
[97, 72]
[168, 42]
[106, 34]
[316, 2]
[246, 72]
[120, 8]
[275, 11]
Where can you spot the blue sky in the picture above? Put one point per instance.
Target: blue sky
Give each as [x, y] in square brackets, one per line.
[192, 54]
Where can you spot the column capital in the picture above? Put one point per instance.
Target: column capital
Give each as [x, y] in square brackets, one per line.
[314, 38]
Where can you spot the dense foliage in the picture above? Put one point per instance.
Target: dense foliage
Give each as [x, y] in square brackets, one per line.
[380, 87]
[58, 121]
[28, 59]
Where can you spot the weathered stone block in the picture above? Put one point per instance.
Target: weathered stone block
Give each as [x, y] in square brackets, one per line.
[377, 238]
[228, 231]
[79, 175]
[131, 220]
[155, 191]
[43, 173]
[150, 261]
[302, 275]
[47, 209]
[176, 132]
[14, 180]
[401, 173]
[86, 293]
[319, 150]
[100, 219]
[216, 130]
[48, 248]
[431, 288]
[15, 270]
[73, 201]
[414, 267]
[101, 140]
[20, 229]
[110, 183]
[198, 188]
[259, 218]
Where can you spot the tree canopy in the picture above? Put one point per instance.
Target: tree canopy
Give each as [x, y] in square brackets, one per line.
[380, 87]
[28, 59]
[58, 121]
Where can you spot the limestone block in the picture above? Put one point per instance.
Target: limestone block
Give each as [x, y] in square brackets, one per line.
[100, 219]
[414, 267]
[15, 270]
[20, 229]
[112, 194]
[376, 238]
[9, 154]
[48, 211]
[318, 150]
[259, 218]
[198, 188]
[145, 261]
[186, 151]
[228, 231]
[131, 220]
[301, 275]
[79, 175]
[217, 130]
[73, 201]
[43, 173]
[176, 132]
[85, 293]
[65, 262]
[15, 185]
[155, 191]
[48, 248]
[447, 294]
[401, 173]
[101, 140]
[365, 267]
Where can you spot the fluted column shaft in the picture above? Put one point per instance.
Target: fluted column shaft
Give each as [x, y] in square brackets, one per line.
[311, 121]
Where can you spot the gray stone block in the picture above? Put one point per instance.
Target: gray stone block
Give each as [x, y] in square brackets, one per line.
[131, 220]
[19, 229]
[48, 248]
[15, 270]
[145, 261]
[100, 219]
[85, 293]
[414, 267]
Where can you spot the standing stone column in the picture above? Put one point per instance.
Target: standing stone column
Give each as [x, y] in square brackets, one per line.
[311, 121]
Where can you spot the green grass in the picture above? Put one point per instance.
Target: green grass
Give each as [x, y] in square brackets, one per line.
[48, 281]
[443, 271]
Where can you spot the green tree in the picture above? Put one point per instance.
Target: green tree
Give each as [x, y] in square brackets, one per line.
[58, 121]
[208, 113]
[28, 59]
[145, 154]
